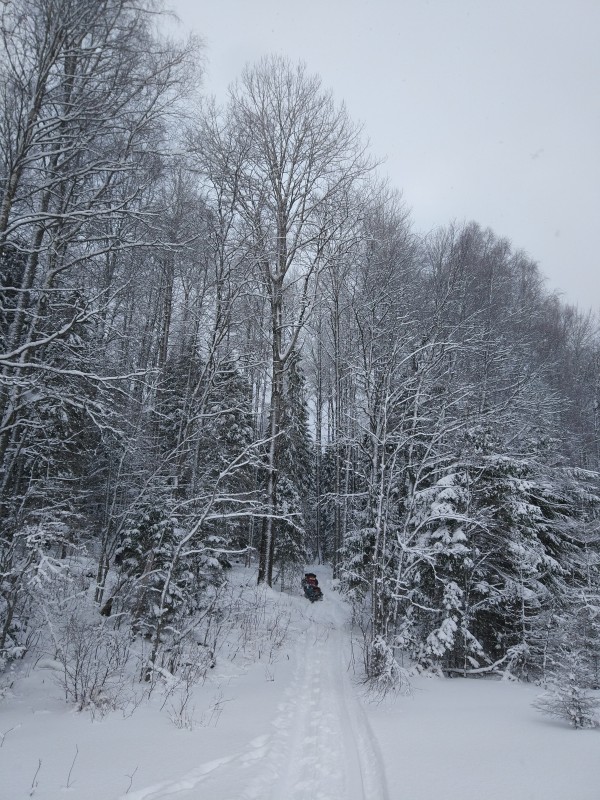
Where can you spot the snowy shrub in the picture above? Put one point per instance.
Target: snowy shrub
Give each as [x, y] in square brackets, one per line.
[95, 659]
[259, 626]
[192, 666]
[383, 672]
[188, 660]
[41, 577]
[28, 570]
[567, 700]
[567, 696]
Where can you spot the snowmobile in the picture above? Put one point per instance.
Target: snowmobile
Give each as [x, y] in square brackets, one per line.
[311, 588]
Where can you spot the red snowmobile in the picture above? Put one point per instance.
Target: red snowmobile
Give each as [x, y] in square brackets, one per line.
[310, 585]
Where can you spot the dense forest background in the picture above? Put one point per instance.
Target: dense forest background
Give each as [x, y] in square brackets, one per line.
[222, 339]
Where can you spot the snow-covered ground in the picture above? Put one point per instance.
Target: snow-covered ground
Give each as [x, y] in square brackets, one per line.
[293, 725]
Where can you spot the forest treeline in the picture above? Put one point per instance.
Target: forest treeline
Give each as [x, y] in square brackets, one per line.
[222, 339]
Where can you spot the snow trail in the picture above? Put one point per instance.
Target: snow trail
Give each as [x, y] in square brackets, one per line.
[323, 748]
[320, 745]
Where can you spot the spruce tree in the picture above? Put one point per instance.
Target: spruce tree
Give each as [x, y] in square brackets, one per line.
[296, 476]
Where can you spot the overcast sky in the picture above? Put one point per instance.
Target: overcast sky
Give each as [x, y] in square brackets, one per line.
[483, 109]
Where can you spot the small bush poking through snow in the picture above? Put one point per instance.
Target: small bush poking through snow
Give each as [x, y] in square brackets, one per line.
[383, 671]
[567, 700]
[95, 660]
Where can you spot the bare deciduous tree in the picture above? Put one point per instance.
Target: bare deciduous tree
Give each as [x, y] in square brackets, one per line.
[299, 156]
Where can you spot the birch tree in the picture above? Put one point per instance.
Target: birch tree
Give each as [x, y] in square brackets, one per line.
[86, 90]
[298, 154]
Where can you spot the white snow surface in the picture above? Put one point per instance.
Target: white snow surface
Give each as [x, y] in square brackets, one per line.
[297, 725]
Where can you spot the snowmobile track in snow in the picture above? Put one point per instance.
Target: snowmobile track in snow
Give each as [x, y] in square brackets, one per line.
[321, 746]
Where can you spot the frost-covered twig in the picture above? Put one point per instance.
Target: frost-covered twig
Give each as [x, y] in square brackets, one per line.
[35, 782]
[131, 777]
[69, 784]
[5, 734]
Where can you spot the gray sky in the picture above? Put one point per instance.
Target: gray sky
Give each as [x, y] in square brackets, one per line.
[483, 109]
